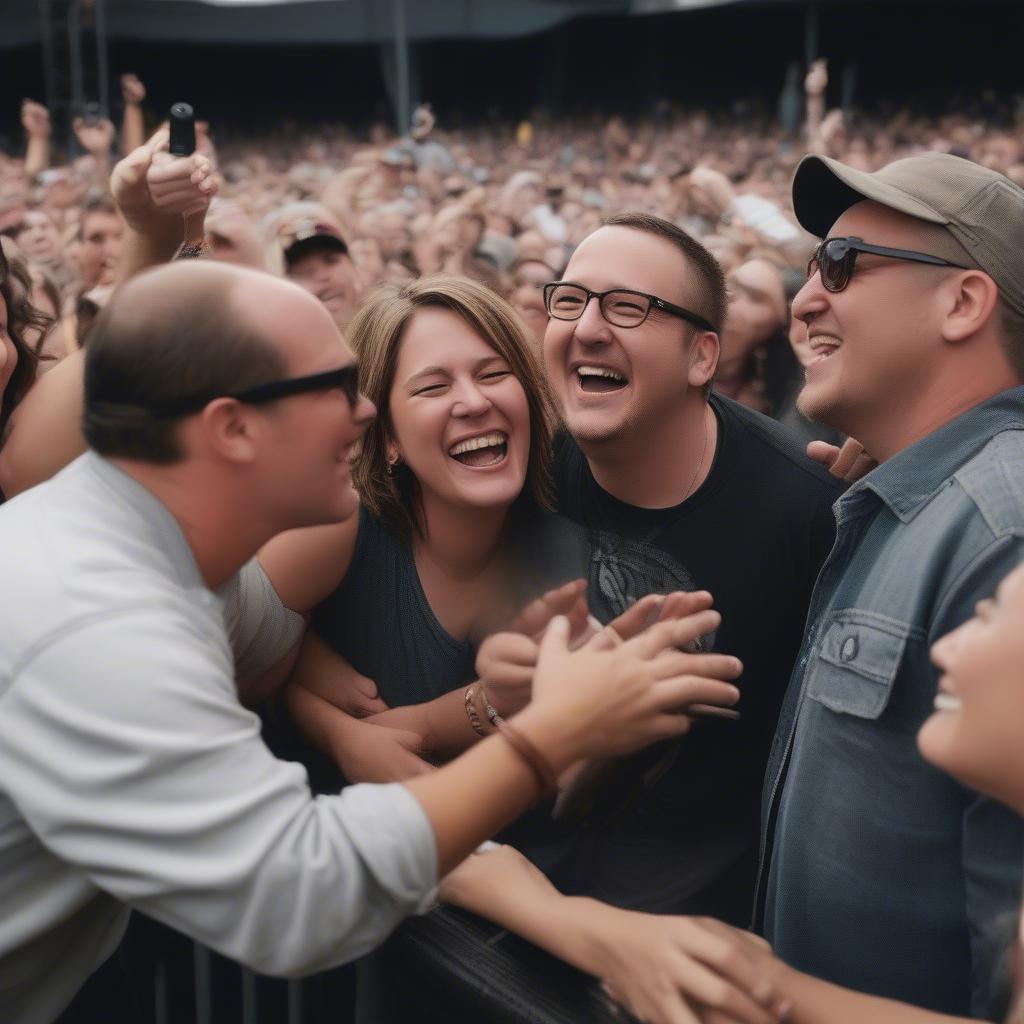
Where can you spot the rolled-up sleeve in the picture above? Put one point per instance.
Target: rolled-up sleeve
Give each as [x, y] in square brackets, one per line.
[125, 749]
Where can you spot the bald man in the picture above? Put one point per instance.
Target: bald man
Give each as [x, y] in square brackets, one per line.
[221, 408]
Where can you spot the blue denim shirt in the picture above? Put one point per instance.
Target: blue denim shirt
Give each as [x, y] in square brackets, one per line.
[885, 875]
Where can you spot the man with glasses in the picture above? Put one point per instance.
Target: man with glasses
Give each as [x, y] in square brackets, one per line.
[221, 408]
[879, 873]
[652, 454]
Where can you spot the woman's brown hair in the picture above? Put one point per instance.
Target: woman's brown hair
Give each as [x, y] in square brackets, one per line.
[15, 289]
[376, 335]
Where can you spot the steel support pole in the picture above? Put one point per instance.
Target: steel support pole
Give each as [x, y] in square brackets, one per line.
[402, 104]
[75, 59]
[102, 76]
[811, 34]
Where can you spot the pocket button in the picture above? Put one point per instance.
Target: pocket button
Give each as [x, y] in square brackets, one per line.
[849, 649]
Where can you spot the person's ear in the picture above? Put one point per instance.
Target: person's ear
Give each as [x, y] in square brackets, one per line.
[228, 426]
[705, 349]
[969, 303]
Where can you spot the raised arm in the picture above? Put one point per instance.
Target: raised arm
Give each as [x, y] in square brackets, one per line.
[44, 431]
[35, 119]
[133, 133]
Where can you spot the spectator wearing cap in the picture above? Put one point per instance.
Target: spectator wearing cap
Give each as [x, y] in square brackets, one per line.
[310, 249]
[879, 873]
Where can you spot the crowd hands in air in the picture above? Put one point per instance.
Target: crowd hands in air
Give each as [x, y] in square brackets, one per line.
[505, 208]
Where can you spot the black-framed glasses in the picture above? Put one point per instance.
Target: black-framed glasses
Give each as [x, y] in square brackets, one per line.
[345, 377]
[622, 307]
[834, 259]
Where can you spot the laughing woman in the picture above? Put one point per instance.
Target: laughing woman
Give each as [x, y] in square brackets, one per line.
[454, 534]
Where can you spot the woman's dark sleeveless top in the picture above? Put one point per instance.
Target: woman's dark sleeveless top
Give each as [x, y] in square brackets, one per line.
[379, 619]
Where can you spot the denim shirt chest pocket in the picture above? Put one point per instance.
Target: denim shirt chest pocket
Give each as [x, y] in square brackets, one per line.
[856, 663]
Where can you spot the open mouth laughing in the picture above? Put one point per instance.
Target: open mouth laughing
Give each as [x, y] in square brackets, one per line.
[599, 379]
[481, 451]
[823, 346]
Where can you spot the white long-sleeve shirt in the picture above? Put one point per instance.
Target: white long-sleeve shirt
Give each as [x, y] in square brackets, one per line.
[130, 774]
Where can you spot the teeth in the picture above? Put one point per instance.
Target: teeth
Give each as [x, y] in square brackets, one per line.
[947, 702]
[600, 371]
[471, 444]
[824, 342]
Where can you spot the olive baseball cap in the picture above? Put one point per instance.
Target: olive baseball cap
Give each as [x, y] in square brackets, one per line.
[982, 209]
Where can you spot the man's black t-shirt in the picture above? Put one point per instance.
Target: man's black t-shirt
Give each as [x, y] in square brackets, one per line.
[755, 535]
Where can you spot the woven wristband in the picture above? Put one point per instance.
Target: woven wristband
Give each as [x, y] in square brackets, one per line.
[537, 762]
[471, 712]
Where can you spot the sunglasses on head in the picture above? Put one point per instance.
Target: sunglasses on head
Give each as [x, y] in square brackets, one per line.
[346, 378]
[834, 259]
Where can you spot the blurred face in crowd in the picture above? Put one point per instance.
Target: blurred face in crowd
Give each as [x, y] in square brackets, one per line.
[368, 258]
[305, 458]
[977, 730]
[874, 342]
[460, 417]
[456, 230]
[757, 308]
[99, 250]
[38, 237]
[329, 274]
[616, 382]
[527, 298]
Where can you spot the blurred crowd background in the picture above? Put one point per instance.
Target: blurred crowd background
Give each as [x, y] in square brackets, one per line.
[494, 151]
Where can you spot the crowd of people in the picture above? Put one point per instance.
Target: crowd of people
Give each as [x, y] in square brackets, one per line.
[438, 451]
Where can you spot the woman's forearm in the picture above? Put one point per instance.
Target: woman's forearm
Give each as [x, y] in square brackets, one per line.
[814, 1001]
[442, 722]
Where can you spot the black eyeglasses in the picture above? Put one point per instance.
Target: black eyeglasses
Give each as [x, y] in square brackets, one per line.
[345, 377]
[834, 259]
[622, 307]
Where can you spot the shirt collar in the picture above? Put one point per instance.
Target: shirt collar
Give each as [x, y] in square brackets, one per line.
[907, 480]
[164, 530]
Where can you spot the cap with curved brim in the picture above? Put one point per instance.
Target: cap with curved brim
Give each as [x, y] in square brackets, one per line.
[980, 208]
[824, 189]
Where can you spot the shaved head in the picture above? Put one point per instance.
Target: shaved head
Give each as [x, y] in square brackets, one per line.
[187, 329]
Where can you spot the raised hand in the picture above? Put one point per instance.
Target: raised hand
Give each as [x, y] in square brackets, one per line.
[35, 119]
[133, 92]
[94, 138]
[817, 78]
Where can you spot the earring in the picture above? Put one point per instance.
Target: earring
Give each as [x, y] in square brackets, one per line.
[392, 462]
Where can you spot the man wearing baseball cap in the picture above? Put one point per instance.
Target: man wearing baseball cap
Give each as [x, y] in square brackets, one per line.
[878, 872]
[310, 249]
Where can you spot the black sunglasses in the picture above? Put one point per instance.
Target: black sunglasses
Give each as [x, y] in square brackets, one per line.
[834, 259]
[345, 377]
[622, 307]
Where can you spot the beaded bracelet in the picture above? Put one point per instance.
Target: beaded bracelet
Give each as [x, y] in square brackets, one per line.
[491, 711]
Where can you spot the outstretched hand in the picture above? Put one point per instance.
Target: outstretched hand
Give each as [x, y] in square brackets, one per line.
[623, 698]
[667, 970]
